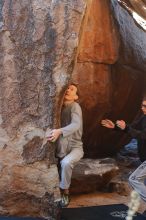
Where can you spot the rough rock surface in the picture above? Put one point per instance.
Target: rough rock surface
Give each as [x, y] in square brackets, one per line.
[137, 7]
[90, 175]
[110, 72]
[37, 47]
[43, 45]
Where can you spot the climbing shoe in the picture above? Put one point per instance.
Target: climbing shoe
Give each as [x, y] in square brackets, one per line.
[65, 199]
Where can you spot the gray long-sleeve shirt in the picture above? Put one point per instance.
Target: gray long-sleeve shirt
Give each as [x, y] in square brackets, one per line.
[72, 129]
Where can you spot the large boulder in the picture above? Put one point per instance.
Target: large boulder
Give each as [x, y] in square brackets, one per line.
[90, 175]
[44, 45]
[110, 72]
[38, 41]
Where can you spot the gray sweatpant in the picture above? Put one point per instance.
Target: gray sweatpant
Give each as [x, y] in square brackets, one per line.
[138, 180]
[67, 165]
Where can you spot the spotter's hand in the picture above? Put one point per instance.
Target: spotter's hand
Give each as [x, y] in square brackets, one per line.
[108, 123]
[121, 124]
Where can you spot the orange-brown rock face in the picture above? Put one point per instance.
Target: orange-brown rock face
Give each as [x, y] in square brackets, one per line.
[98, 49]
[99, 41]
[43, 45]
[108, 84]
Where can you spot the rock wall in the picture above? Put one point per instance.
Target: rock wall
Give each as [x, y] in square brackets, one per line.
[135, 6]
[110, 71]
[43, 45]
[37, 49]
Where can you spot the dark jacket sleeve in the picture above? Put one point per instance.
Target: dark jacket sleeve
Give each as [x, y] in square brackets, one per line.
[134, 131]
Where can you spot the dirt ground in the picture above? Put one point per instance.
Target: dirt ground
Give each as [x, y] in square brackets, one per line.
[100, 198]
[119, 195]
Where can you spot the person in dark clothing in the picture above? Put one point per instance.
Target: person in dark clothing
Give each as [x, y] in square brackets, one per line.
[137, 130]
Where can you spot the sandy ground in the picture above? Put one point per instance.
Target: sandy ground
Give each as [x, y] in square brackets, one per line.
[100, 198]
